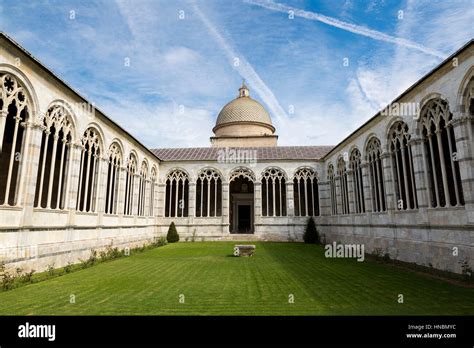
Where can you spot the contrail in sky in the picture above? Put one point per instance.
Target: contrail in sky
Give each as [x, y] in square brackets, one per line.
[353, 28]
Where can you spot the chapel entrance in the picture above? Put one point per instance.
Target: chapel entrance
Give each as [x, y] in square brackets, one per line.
[241, 206]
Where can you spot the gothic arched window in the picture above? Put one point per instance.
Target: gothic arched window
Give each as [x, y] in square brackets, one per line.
[208, 193]
[131, 171]
[142, 188]
[54, 158]
[402, 163]
[14, 111]
[342, 176]
[332, 189]
[376, 181]
[355, 166]
[440, 154]
[89, 172]
[113, 170]
[306, 192]
[177, 193]
[273, 192]
[151, 211]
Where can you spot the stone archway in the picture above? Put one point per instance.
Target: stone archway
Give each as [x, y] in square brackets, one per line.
[241, 209]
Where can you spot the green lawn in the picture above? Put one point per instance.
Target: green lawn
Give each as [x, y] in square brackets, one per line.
[215, 283]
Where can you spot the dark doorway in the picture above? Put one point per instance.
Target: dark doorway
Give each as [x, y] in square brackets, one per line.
[244, 217]
[241, 197]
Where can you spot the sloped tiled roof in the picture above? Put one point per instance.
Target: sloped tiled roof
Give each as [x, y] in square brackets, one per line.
[263, 153]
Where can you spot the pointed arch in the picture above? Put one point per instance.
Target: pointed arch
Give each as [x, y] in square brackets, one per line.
[440, 154]
[55, 157]
[92, 149]
[274, 192]
[306, 192]
[177, 193]
[15, 112]
[115, 160]
[402, 164]
[355, 165]
[373, 157]
[209, 193]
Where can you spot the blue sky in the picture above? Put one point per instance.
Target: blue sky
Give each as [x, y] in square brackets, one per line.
[182, 71]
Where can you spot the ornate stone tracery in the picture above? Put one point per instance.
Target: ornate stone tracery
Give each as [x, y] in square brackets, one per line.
[306, 192]
[177, 194]
[440, 154]
[89, 171]
[208, 193]
[402, 163]
[355, 165]
[273, 192]
[376, 176]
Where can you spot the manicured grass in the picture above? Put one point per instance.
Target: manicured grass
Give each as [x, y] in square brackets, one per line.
[214, 282]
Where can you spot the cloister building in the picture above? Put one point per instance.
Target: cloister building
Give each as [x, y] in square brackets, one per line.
[72, 180]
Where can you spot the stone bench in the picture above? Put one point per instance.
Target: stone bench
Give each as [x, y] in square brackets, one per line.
[244, 250]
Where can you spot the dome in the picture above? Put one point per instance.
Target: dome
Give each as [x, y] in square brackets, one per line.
[244, 110]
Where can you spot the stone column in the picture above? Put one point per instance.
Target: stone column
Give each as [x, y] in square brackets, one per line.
[121, 190]
[366, 183]
[225, 207]
[28, 168]
[389, 182]
[257, 205]
[465, 158]
[290, 197]
[136, 190]
[351, 191]
[192, 200]
[421, 179]
[102, 184]
[3, 121]
[337, 180]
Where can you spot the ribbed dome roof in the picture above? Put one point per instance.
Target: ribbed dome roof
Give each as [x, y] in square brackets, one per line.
[243, 109]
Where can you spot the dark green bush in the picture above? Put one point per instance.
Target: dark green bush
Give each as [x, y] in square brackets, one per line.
[311, 234]
[172, 236]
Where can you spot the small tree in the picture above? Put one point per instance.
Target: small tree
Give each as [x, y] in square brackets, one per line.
[172, 235]
[311, 234]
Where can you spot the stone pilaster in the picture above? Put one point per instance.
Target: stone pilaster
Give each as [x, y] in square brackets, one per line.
[225, 207]
[290, 197]
[389, 182]
[102, 173]
[366, 185]
[324, 198]
[161, 197]
[421, 179]
[351, 191]
[28, 168]
[465, 158]
[192, 200]
[121, 190]
[136, 190]
[257, 202]
[337, 180]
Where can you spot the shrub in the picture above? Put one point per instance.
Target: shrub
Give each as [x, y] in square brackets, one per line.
[68, 267]
[50, 269]
[6, 278]
[311, 234]
[172, 236]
